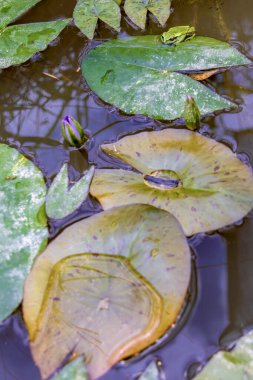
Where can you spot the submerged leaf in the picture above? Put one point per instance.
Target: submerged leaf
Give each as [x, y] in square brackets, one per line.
[97, 305]
[150, 243]
[87, 13]
[73, 371]
[137, 10]
[199, 180]
[22, 224]
[11, 9]
[151, 372]
[234, 365]
[136, 74]
[18, 43]
[62, 201]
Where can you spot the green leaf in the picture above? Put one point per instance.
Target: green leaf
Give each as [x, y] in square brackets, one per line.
[137, 10]
[75, 370]
[234, 365]
[87, 13]
[22, 224]
[62, 201]
[18, 43]
[136, 74]
[151, 372]
[105, 318]
[12, 9]
[199, 180]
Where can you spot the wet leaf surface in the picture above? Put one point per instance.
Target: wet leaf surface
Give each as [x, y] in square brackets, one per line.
[234, 365]
[96, 305]
[88, 12]
[11, 9]
[142, 239]
[137, 10]
[62, 200]
[18, 43]
[199, 180]
[137, 74]
[73, 371]
[22, 224]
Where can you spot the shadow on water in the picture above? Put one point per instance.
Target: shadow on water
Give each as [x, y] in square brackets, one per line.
[34, 98]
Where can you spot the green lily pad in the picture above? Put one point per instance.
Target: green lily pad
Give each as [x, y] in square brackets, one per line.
[137, 74]
[150, 244]
[75, 370]
[12, 9]
[137, 10]
[234, 365]
[151, 372]
[18, 43]
[62, 201]
[199, 180]
[87, 13]
[22, 224]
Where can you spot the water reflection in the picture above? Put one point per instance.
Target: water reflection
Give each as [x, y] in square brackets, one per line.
[34, 98]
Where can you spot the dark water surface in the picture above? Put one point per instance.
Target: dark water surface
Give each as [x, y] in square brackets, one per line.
[33, 99]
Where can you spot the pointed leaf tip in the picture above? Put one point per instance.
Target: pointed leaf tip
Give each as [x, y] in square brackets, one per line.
[62, 201]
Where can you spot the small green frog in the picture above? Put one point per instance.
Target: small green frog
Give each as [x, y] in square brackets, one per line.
[178, 34]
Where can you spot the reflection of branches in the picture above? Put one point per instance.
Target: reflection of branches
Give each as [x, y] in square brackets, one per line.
[33, 103]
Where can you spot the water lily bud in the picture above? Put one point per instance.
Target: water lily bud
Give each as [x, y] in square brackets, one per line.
[72, 132]
[191, 113]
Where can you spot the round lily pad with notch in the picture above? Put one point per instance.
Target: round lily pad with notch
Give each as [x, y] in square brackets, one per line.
[150, 245]
[197, 179]
[23, 224]
[142, 75]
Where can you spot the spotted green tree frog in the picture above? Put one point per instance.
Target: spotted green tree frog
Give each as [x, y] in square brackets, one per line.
[178, 34]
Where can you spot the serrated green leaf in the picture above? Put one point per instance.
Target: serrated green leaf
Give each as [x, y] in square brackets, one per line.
[137, 10]
[234, 365]
[73, 371]
[87, 13]
[197, 179]
[151, 372]
[136, 74]
[18, 43]
[62, 201]
[22, 224]
[11, 9]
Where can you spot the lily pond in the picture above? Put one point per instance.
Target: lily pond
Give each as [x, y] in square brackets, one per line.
[126, 190]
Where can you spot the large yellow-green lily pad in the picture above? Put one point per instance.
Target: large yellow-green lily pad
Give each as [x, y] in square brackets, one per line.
[152, 247]
[199, 180]
[23, 224]
[97, 305]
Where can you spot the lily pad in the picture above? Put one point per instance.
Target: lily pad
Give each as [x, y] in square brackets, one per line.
[151, 372]
[96, 305]
[87, 13]
[146, 240]
[137, 10]
[22, 224]
[137, 74]
[73, 371]
[199, 180]
[18, 43]
[12, 9]
[234, 365]
[62, 201]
